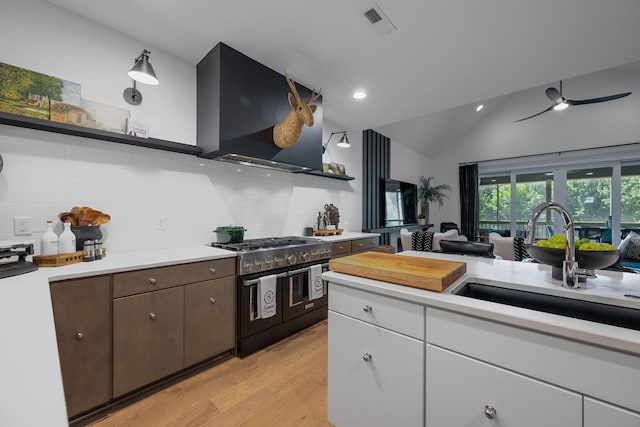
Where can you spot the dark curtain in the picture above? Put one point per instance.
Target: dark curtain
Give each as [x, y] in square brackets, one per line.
[469, 205]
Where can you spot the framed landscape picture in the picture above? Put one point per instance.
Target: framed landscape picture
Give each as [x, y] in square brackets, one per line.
[29, 93]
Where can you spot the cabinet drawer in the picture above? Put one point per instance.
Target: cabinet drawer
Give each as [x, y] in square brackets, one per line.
[339, 249]
[151, 279]
[375, 375]
[598, 414]
[364, 244]
[459, 390]
[399, 316]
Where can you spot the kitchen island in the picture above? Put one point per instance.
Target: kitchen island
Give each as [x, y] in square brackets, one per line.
[32, 392]
[401, 355]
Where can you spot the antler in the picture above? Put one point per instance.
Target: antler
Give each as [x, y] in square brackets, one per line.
[314, 96]
[292, 86]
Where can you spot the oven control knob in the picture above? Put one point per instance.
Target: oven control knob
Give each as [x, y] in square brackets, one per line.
[292, 259]
[247, 267]
[259, 264]
[306, 256]
[277, 261]
[268, 262]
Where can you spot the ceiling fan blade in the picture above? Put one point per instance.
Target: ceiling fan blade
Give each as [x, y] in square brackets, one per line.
[553, 94]
[594, 100]
[537, 114]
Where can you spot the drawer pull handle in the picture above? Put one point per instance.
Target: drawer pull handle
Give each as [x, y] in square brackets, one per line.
[212, 270]
[212, 300]
[359, 244]
[153, 280]
[367, 308]
[367, 357]
[79, 335]
[489, 411]
[152, 316]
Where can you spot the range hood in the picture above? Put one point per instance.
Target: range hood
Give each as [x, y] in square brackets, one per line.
[239, 102]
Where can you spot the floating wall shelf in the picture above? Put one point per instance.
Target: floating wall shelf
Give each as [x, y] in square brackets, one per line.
[158, 144]
[49, 126]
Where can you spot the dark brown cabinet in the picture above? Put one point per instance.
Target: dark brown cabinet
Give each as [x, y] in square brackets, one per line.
[209, 319]
[351, 247]
[82, 314]
[148, 338]
[122, 332]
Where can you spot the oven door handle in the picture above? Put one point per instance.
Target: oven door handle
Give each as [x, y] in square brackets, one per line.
[281, 275]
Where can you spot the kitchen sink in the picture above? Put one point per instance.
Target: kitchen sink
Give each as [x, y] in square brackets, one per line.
[609, 314]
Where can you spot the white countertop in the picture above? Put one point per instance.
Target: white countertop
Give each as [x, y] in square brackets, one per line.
[31, 392]
[346, 235]
[607, 286]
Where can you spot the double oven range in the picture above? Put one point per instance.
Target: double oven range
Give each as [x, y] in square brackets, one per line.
[297, 306]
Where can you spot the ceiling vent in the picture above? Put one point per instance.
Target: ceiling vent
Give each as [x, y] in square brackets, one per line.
[377, 18]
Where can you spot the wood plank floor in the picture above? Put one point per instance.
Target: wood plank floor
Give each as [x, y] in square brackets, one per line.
[282, 385]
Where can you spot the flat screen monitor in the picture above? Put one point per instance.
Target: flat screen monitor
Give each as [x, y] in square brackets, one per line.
[399, 202]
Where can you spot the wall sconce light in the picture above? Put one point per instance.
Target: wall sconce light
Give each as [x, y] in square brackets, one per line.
[343, 143]
[142, 72]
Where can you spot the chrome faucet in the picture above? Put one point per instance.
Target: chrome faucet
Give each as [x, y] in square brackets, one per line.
[571, 274]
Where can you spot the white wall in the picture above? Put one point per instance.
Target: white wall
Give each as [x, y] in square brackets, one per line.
[586, 126]
[46, 173]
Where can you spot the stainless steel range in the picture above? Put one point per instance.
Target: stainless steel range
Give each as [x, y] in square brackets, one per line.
[297, 300]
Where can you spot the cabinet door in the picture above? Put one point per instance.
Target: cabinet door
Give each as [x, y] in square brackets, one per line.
[376, 376]
[598, 414]
[148, 338]
[465, 392]
[210, 317]
[82, 314]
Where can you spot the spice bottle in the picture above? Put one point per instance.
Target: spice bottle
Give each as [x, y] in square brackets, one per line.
[97, 245]
[49, 241]
[89, 251]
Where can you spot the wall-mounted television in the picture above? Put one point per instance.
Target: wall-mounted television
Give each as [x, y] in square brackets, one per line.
[398, 202]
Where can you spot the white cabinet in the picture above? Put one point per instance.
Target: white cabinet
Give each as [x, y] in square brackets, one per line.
[461, 391]
[375, 375]
[598, 414]
[376, 360]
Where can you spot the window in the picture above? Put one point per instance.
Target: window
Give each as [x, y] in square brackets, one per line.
[600, 187]
[495, 202]
[589, 195]
[630, 197]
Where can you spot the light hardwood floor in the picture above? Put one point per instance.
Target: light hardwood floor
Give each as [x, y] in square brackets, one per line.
[282, 385]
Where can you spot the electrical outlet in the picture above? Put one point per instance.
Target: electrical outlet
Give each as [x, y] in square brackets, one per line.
[162, 224]
[22, 225]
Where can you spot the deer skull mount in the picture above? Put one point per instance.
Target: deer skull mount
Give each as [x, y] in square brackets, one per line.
[287, 132]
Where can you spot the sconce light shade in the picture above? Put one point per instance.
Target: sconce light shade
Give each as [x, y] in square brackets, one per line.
[142, 72]
[343, 143]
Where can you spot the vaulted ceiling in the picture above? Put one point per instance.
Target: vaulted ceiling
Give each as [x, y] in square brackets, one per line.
[444, 54]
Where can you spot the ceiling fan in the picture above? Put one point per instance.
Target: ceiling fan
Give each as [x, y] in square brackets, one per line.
[560, 102]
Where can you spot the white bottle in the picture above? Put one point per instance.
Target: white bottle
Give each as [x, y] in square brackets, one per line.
[67, 240]
[49, 241]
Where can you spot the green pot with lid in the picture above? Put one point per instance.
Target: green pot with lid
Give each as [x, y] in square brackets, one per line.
[230, 234]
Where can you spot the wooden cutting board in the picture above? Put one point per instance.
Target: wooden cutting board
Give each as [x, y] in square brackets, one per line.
[424, 273]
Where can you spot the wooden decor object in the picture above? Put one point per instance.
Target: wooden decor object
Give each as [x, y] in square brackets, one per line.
[424, 273]
[287, 132]
[61, 259]
[337, 231]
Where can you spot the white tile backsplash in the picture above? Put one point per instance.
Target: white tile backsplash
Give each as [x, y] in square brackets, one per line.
[45, 174]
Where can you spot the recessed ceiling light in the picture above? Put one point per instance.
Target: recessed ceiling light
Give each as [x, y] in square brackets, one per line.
[359, 94]
[479, 107]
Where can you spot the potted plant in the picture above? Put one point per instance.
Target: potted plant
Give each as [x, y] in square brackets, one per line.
[428, 193]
